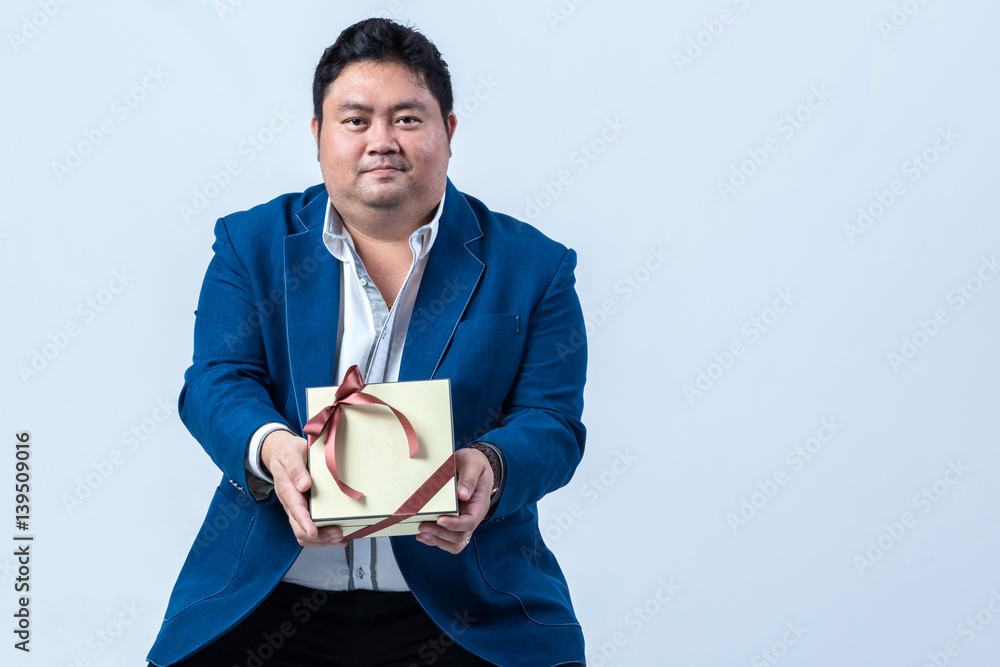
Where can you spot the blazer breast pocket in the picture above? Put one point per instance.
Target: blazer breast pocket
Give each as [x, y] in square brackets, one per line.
[507, 323]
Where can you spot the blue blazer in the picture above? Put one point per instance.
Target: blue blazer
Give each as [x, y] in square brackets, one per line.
[497, 313]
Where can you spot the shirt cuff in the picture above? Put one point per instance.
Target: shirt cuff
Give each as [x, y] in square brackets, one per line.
[253, 462]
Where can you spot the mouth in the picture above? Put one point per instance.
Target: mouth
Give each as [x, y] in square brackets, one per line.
[383, 170]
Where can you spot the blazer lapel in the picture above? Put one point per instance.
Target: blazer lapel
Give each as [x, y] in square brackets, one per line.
[312, 305]
[449, 279]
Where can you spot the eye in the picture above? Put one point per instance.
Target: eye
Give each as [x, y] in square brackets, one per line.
[354, 122]
[408, 120]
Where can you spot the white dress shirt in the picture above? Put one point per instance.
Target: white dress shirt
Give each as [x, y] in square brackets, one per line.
[372, 336]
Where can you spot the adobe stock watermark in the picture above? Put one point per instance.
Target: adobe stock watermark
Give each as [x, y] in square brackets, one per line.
[246, 152]
[295, 276]
[923, 501]
[796, 458]
[786, 127]
[752, 331]
[31, 25]
[103, 469]
[465, 107]
[901, 14]
[121, 108]
[562, 12]
[957, 298]
[105, 636]
[88, 310]
[223, 521]
[585, 155]
[271, 643]
[712, 29]
[8, 568]
[423, 316]
[434, 649]
[590, 492]
[913, 168]
[634, 621]
[624, 289]
[778, 649]
[967, 630]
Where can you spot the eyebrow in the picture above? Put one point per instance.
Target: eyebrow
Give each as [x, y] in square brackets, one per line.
[415, 105]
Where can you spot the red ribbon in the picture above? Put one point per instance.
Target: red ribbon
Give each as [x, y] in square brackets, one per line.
[325, 424]
[415, 502]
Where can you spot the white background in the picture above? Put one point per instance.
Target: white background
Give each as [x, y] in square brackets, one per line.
[684, 95]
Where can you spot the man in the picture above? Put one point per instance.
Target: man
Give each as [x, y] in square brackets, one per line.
[387, 266]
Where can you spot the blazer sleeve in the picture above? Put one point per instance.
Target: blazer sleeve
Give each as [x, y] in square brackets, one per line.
[226, 394]
[542, 437]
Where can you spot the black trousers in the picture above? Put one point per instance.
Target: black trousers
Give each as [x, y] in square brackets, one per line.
[302, 627]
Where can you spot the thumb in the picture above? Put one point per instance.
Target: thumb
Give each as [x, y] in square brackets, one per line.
[467, 483]
[295, 472]
[300, 477]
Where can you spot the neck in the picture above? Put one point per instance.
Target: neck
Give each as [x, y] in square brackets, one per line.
[384, 226]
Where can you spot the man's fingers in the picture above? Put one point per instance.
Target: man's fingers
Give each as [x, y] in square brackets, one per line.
[466, 486]
[472, 467]
[291, 481]
[295, 471]
[325, 537]
[435, 536]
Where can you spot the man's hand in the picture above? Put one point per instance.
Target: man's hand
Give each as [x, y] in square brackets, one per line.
[284, 456]
[475, 482]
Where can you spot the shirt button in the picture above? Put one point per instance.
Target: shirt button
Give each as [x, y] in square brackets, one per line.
[361, 573]
[364, 283]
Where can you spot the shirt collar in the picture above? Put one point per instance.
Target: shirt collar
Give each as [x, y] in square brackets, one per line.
[338, 238]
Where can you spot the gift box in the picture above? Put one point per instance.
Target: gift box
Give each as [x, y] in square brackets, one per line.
[381, 456]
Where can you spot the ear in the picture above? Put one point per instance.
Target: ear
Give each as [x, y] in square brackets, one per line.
[451, 125]
[315, 130]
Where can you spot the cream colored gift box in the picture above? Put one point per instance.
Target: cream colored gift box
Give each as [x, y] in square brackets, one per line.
[373, 456]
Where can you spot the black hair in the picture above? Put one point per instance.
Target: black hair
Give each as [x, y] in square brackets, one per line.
[384, 40]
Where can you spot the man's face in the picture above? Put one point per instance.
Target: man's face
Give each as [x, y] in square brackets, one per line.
[383, 143]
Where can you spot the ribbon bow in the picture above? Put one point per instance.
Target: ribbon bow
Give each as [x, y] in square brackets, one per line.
[325, 423]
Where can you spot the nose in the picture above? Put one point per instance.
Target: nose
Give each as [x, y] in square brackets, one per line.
[382, 138]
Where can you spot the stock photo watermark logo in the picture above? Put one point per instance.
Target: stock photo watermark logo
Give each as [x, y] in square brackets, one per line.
[786, 126]
[270, 643]
[752, 331]
[105, 636]
[778, 649]
[102, 469]
[927, 329]
[900, 16]
[585, 155]
[88, 310]
[635, 620]
[433, 650]
[923, 501]
[296, 276]
[468, 105]
[968, 630]
[627, 287]
[914, 168]
[712, 30]
[562, 12]
[31, 25]
[796, 458]
[247, 151]
[591, 491]
[121, 108]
